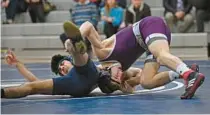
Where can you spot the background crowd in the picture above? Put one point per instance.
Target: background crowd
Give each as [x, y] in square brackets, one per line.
[109, 16]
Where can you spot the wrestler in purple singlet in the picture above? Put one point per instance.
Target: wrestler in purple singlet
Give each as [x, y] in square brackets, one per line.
[127, 47]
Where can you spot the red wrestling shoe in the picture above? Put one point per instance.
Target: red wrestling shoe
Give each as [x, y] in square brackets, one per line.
[193, 82]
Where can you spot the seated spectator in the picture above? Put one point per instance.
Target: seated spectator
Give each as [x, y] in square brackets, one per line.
[36, 10]
[136, 11]
[83, 11]
[178, 11]
[202, 13]
[112, 15]
[13, 7]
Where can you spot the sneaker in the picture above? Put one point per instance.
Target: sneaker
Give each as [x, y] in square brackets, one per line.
[73, 32]
[195, 80]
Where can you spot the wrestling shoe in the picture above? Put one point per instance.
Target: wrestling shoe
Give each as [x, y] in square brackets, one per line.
[194, 67]
[193, 82]
[73, 32]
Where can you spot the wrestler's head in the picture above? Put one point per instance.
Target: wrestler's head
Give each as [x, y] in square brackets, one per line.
[61, 64]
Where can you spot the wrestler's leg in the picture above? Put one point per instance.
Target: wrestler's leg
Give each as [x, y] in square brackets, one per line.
[72, 45]
[29, 88]
[100, 48]
[78, 58]
[150, 78]
[158, 40]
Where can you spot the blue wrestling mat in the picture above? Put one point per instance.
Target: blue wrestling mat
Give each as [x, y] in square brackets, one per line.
[161, 100]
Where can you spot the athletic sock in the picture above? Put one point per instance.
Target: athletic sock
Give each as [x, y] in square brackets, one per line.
[2, 93]
[183, 70]
[173, 75]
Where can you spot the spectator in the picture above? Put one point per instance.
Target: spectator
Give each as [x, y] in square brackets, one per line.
[13, 7]
[178, 11]
[112, 15]
[36, 10]
[136, 11]
[83, 11]
[202, 13]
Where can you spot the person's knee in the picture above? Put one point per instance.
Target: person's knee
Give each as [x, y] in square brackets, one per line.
[29, 88]
[146, 80]
[188, 18]
[169, 17]
[147, 84]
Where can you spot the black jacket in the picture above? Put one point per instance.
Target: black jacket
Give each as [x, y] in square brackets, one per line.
[133, 16]
[201, 4]
[170, 6]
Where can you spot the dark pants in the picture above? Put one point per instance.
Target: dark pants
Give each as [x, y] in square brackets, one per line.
[201, 17]
[36, 12]
[11, 9]
[109, 29]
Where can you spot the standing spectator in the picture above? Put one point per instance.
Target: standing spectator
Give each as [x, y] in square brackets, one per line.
[136, 11]
[13, 7]
[112, 15]
[36, 10]
[202, 13]
[178, 11]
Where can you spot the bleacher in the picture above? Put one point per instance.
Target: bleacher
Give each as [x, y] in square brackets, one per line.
[41, 40]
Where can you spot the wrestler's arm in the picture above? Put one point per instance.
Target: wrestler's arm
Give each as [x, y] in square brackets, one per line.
[88, 30]
[133, 72]
[100, 67]
[99, 49]
[11, 59]
[25, 72]
[133, 76]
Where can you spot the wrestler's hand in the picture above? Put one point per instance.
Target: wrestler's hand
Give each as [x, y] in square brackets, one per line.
[69, 46]
[116, 73]
[11, 58]
[104, 18]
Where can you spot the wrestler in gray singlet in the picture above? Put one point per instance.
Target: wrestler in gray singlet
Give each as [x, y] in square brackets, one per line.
[132, 42]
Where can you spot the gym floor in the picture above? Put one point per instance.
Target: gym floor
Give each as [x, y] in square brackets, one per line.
[161, 100]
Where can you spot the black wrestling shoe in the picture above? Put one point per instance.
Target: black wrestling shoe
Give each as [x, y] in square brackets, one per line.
[73, 32]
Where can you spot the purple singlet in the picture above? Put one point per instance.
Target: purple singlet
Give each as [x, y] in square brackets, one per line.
[131, 42]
